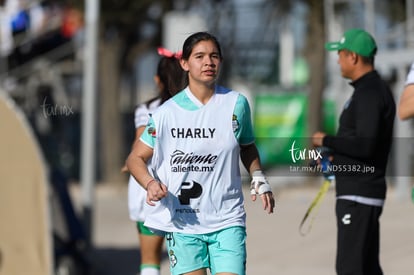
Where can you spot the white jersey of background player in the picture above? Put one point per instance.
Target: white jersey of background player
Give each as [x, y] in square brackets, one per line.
[136, 194]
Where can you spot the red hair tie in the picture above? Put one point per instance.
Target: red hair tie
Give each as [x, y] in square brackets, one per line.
[167, 53]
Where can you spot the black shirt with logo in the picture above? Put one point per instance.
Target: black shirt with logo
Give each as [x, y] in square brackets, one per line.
[363, 141]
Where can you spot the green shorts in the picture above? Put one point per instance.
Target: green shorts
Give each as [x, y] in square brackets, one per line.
[221, 251]
[142, 229]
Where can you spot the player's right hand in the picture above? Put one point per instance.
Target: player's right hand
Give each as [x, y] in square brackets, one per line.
[155, 192]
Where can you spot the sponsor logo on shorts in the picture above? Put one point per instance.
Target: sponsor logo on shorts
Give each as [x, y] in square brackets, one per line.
[173, 258]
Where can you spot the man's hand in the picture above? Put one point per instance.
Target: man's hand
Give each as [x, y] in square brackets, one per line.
[317, 139]
[260, 186]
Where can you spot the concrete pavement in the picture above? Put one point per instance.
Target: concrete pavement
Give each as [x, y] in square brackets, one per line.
[274, 243]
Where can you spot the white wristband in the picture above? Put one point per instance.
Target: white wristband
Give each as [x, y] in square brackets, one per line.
[259, 184]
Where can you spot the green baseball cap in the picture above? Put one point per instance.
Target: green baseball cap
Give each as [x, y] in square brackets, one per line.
[355, 40]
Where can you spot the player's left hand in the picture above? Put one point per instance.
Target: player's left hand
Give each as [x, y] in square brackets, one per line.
[260, 186]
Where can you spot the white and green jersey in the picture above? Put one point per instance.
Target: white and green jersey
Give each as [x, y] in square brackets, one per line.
[136, 194]
[196, 155]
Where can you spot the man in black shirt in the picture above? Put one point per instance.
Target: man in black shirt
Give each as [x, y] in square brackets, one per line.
[361, 148]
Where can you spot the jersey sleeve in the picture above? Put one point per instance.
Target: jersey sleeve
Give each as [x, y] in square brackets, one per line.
[242, 122]
[149, 134]
[141, 116]
[410, 76]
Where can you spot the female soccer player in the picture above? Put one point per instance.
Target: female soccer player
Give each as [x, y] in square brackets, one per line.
[195, 140]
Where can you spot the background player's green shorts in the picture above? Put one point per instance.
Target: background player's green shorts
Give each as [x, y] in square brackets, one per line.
[221, 251]
[142, 229]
